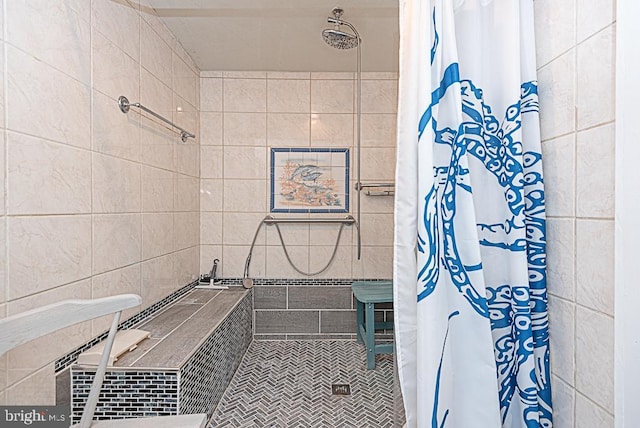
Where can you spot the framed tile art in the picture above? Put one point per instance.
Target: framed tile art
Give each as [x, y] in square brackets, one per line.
[309, 180]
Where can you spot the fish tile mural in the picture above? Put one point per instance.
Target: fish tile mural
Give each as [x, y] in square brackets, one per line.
[310, 180]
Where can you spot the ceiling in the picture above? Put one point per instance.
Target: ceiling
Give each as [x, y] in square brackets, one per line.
[281, 35]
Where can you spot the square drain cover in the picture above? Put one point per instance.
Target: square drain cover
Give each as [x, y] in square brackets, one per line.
[340, 389]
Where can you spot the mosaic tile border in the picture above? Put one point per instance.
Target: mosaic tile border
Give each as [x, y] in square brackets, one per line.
[121, 390]
[196, 387]
[204, 378]
[68, 359]
[329, 282]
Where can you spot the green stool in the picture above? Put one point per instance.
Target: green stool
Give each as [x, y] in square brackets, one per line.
[367, 294]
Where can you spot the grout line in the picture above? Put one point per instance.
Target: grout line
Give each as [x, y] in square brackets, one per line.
[576, 131]
[5, 173]
[586, 397]
[575, 210]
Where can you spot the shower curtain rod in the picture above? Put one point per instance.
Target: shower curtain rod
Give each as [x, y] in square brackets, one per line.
[125, 105]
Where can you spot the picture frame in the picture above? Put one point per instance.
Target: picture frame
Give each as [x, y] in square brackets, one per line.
[309, 180]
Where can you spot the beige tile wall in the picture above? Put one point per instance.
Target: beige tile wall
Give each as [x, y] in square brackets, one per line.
[244, 115]
[576, 49]
[96, 202]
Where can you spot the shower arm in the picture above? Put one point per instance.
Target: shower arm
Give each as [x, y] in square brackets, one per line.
[358, 185]
[358, 108]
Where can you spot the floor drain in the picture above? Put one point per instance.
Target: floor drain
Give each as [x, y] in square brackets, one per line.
[340, 389]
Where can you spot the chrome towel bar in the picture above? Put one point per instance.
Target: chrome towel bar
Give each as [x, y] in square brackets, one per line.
[125, 105]
[386, 189]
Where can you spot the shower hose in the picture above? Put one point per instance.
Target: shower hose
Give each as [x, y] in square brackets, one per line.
[286, 253]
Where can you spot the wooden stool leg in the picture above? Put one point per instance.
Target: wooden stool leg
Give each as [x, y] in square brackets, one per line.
[369, 340]
[359, 320]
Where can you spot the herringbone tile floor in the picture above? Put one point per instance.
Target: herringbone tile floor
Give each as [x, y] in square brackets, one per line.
[288, 384]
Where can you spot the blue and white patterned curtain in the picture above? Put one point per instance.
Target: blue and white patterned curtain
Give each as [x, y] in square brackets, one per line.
[469, 264]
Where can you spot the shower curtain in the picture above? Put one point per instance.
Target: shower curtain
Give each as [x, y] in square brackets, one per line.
[469, 258]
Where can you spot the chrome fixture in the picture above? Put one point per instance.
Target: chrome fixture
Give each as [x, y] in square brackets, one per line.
[125, 105]
[212, 274]
[211, 282]
[383, 189]
[269, 220]
[336, 38]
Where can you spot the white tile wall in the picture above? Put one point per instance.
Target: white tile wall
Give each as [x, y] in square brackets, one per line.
[114, 72]
[555, 28]
[251, 112]
[109, 18]
[35, 388]
[563, 403]
[559, 175]
[54, 33]
[116, 185]
[575, 51]
[211, 128]
[561, 257]
[593, 16]
[562, 316]
[45, 102]
[594, 357]
[29, 357]
[595, 172]
[156, 185]
[332, 96]
[114, 133]
[594, 264]
[291, 129]
[595, 65]
[557, 96]
[44, 252]
[46, 177]
[244, 129]
[93, 196]
[186, 195]
[245, 95]
[590, 415]
[331, 130]
[288, 96]
[125, 280]
[157, 234]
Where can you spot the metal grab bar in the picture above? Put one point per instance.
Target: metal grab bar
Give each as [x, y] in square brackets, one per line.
[125, 105]
[388, 189]
[301, 220]
[247, 282]
[364, 185]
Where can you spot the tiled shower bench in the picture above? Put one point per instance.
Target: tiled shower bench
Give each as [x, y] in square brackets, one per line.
[195, 347]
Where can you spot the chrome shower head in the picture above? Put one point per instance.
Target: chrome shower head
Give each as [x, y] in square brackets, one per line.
[339, 39]
[335, 37]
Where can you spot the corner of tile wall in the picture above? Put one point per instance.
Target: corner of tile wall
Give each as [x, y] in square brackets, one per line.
[575, 51]
[97, 202]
